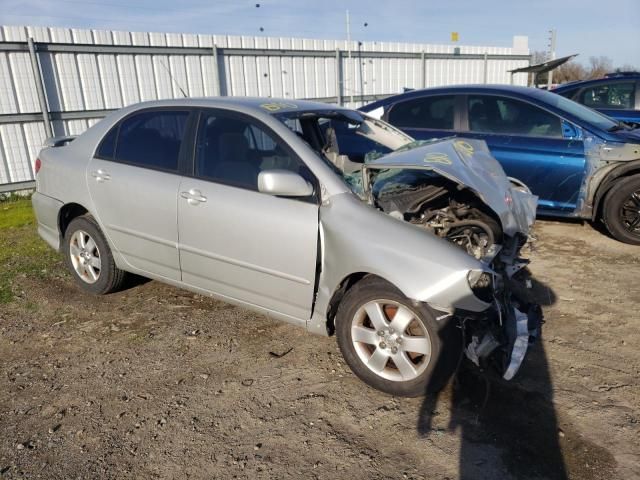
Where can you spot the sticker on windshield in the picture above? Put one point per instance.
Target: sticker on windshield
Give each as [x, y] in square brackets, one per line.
[437, 157]
[275, 106]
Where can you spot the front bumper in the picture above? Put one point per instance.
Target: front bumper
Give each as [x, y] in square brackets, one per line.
[500, 337]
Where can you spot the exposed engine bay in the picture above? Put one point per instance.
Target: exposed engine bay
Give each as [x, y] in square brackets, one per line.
[457, 191]
[447, 212]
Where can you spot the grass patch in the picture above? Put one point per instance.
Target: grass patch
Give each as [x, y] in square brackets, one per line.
[16, 213]
[22, 251]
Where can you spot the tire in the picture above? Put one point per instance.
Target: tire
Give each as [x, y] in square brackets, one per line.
[427, 351]
[89, 258]
[621, 210]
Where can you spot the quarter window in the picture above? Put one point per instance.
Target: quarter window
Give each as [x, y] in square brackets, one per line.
[427, 112]
[108, 145]
[152, 139]
[492, 114]
[233, 150]
[613, 95]
[570, 93]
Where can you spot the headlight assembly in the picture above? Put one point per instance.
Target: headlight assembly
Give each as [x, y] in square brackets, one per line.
[481, 284]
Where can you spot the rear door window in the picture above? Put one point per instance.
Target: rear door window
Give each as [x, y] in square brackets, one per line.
[502, 115]
[435, 113]
[620, 95]
[152, 139]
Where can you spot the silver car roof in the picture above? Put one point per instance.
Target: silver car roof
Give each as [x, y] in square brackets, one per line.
[258, 104]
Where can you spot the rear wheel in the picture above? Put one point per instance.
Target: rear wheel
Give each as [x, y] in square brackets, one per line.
[89, 257]
[393, 344]
[621, 212]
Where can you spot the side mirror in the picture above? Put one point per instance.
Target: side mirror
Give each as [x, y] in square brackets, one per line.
[570, 131]
[283, 183]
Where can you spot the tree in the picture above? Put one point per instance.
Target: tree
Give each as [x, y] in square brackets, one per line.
[569, 72]
[599, 67]
[627, 67]
[573, 70]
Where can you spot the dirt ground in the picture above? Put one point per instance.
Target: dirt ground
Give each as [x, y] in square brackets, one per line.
[155, 382]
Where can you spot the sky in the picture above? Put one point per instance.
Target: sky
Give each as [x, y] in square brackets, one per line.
[588, 27]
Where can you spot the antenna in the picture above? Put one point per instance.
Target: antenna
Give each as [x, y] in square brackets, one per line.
[173, 79]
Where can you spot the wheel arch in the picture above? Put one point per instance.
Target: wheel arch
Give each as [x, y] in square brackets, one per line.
[67, 213]
[346, 284]
[625, 170]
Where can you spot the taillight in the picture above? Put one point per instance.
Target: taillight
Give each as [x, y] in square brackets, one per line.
[38, 165]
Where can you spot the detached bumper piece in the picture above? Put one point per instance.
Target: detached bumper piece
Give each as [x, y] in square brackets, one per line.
[527, 330]
[501, 337]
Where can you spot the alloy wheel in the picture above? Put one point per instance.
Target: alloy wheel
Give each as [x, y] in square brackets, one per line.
[391, 340]
[630, 213]
[85, 256]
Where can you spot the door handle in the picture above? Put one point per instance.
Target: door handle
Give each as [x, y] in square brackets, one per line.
[100, 175]
[193, 196]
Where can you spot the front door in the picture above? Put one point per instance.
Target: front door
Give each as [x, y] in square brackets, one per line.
[133, 181]
[529, 143]
[235, 241]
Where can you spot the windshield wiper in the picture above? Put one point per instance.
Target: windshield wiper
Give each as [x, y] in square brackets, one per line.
[616, 128]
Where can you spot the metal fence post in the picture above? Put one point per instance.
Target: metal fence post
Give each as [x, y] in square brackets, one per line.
[37, 77]
[486, 64]
[423, 68]
[216, 72]
[339, 76]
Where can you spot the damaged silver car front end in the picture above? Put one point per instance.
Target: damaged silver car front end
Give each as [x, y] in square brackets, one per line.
[495, 234]
[440, 221]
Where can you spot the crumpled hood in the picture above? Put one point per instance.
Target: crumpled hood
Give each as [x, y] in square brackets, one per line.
[469, 163]
[629, 135]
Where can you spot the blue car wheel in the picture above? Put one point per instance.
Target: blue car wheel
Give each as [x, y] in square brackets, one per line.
[621, 212]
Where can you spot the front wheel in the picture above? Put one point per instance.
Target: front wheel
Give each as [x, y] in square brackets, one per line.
[88, 257]
[395, 345]
[621, 212]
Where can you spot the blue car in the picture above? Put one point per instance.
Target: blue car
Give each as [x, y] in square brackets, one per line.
[617, 95]
[579, 162]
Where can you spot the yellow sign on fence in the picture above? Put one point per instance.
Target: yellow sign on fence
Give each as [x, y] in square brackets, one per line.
[454, 36]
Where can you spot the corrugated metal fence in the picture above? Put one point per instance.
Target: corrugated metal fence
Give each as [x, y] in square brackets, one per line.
[61, 81]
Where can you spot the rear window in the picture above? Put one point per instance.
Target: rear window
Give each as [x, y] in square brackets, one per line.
[428, 112]
[151, 139]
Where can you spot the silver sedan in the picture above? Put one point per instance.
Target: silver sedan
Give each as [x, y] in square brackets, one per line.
[313, 214]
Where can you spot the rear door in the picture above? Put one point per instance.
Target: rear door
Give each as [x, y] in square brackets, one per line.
[133, 180]
[425, 118]
[530, 144]
[235, 241]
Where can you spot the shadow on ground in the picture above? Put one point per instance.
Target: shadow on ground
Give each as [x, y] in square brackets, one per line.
[507, 431]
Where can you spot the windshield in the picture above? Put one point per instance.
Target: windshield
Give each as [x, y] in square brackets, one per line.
[346, 139]
[580, 111]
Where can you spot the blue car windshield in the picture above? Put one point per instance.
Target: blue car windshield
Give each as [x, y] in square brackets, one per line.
[585, 114]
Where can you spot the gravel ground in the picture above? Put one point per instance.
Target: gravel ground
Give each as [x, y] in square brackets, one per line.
[154, 382]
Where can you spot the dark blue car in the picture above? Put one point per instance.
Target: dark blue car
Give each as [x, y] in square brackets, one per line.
[579, 162]
[617, 95]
